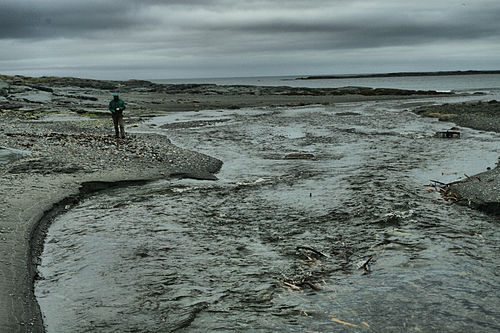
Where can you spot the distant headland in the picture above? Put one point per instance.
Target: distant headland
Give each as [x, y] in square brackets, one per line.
[398, 74]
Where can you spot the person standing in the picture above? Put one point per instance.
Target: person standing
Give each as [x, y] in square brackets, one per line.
[116, 106]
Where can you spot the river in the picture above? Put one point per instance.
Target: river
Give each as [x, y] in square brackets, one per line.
[277, 244]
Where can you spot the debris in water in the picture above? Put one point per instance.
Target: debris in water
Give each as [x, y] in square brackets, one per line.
[343, 322]
[447, 134]
[452, 197]
[468, 177]
[444, 188]
[364, 264]
[313, 286]
[298, 248]
[292, 286]
[437, 182]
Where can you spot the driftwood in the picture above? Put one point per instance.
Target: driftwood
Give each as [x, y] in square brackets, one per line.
[292, 286]
[444, 188]
[300, 285]
[365, 265]
[298, 248]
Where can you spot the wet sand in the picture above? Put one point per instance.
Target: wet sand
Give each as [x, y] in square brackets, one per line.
[77, 156]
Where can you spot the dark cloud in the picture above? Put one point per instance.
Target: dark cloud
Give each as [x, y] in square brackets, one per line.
[364, 30]
[223, 36]
[46, 19]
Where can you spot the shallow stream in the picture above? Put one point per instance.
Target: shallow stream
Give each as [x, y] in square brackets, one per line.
[278, 244]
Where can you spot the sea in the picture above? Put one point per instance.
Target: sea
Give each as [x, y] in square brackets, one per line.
[324, 219]
[455, 83]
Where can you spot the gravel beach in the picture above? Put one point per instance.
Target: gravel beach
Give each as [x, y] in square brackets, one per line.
[480, 191]
[65, 160]
[57, 146]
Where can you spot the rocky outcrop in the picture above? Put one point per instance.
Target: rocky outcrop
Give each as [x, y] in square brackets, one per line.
[49, 84]
[300, 156]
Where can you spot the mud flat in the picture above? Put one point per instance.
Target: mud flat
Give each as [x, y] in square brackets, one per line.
[480, 191]
[64, 127]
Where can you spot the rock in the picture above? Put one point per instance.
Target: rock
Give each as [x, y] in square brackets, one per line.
[42, 88]
[8, 155]
[18, 89]
[347, 114]
[32, 96]
[86, 97]
[10, 106]
[194, 175]
[300, 156]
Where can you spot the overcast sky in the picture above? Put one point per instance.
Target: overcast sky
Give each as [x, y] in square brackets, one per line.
[154, 39]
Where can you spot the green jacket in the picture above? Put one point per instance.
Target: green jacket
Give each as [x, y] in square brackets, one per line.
[113, 105]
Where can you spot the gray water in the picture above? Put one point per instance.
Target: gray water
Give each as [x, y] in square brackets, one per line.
[226, 256]
[457, 83]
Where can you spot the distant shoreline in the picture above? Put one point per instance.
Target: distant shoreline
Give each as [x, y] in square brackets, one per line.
[398, 74]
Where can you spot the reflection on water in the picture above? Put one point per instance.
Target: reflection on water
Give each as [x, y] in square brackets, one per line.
[276, 245]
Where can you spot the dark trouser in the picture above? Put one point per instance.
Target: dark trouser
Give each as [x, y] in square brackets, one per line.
[118, 121]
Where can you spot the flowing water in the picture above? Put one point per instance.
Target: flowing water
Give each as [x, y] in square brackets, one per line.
[278, 244]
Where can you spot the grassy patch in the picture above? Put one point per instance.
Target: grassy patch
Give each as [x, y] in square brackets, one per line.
[441, 116]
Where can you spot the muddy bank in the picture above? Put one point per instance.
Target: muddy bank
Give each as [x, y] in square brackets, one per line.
[68, 159]
[480, 191]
